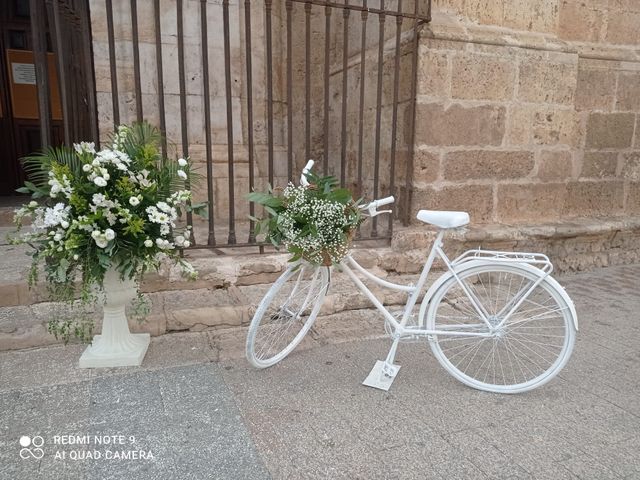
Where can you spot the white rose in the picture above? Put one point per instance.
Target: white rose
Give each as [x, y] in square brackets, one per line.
[95, 234]
[76, 257]
[179, 240]
[96, 162]
[109, 234]
[101, 242]
[64, 224]
[57, 237]
[186, 244]
[33, 204]
[182, 175]
[148, 243]
[99, 181]
[86, 167]
[182, 162]
[134, 201]
[106, 176]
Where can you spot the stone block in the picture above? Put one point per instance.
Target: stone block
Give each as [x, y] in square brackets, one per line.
[9, 295]
[555, 165]
[555, 127]
[577, 21]
[519, 125]
[599, 164]
[595, 89]
[489, 164]
[482, 77]
[594, 198]
[532, 15]
[623, 28]
[632, 202]
[475, 199]
[628, 97]
[631, 166]
[197, 319]
[530, 202]
[484, 11]
[433, 73]
[609, 130]
[426, 166]
[545, 81]
[459, 125]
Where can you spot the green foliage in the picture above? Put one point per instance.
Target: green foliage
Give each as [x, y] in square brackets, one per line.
[315, 222]
[94, 210]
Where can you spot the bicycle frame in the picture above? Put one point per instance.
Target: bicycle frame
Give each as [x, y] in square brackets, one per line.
[399, 328]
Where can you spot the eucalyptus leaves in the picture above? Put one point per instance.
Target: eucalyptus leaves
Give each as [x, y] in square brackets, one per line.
[315, 222]
[93, 209]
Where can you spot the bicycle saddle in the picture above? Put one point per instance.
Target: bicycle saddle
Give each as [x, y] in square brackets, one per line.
[443, 219]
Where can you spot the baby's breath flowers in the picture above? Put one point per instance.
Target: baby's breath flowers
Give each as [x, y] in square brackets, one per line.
[315, 222]
[117, 207]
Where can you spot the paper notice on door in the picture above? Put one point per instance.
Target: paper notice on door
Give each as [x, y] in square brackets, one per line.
[24, 73]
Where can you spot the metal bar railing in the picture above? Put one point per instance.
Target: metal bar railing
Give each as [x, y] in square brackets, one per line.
[267, 7]
[289, 7]
[160, 74]
[211, 239]
[227, 76]
[345, 71]
[37, 9]
[394, 115]
[61, 70]
[248, 51]
[376, 159]
[266, 96]
[327, 53]
[136, 59]
[115, 100]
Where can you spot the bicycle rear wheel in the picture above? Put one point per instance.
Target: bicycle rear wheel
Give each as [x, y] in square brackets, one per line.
[286, 313]
[527, 351]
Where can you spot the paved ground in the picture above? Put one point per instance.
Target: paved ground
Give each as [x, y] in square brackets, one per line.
[202, 412]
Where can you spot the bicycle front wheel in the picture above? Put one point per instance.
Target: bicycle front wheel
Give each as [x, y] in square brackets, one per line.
[525, 352]
[286, 313]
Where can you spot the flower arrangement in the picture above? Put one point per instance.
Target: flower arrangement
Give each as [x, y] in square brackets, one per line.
[315, 222]
[95, 210]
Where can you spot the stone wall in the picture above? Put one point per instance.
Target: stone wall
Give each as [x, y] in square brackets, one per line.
[528, 111]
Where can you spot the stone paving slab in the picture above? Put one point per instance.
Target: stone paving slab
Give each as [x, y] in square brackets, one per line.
[205, 413]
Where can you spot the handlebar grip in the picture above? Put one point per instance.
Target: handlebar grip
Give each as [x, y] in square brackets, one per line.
[385, 201]
[307, 168]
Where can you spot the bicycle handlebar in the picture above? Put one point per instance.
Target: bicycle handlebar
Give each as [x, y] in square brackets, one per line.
[373, 206]
[307, 168]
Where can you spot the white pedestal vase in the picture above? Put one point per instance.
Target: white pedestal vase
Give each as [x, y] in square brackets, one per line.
[117, 346]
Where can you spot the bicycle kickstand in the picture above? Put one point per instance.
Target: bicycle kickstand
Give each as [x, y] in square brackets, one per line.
[384, 372]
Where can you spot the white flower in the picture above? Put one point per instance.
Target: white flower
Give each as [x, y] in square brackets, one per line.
[96, 162]
[179, 240]
[164, 207]
[76, 257]
[99, 181]
[82, 147]
[101, 242]
[134, 201]
[164, 244]
[186, 244]
[98, 199]
[148, 243]
[182, 175]
[109, 234]
[57, 237]
[64, 224]
[182, 162]
[33, 204]
[86, 167]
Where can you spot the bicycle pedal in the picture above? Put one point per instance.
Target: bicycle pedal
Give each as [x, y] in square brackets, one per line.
[381, 377]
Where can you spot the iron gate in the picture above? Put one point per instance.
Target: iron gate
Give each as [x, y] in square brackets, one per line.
[302, 79]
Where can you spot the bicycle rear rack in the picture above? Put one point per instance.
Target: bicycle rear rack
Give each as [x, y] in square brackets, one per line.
[538, 260]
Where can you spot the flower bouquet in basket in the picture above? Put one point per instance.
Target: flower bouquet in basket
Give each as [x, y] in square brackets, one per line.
[315, 222]
[110, 213]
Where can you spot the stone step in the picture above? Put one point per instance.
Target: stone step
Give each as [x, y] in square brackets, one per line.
[229, 286]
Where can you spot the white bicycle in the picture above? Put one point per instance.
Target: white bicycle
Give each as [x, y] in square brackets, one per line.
[496, 321]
